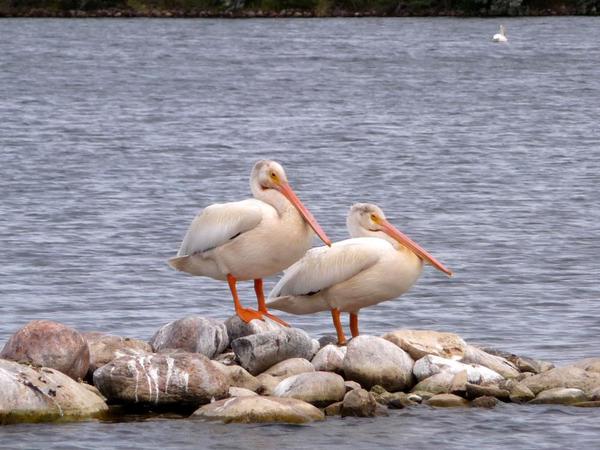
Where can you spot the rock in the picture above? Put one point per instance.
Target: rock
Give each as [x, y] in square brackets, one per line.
[177, 379]
[485, 401]
[226, 358]
[289, 367]
[589, 365]
[193, 334]
[522, 363]
[565, 377]
[326, 340]
[440, 383]
[49, 344]
[240, 392]
[590, 404]
[424, 395]
[351, 385]
[237, 328]
[34, 394]
[475, 391]
[458, 386]
[260, 410]
[258, 352]
[106, 347]
[419, 343]
[521, 394]
[359, 403]
[447, 401]
[317, 388]
[335, 409]
[238, 377]
[474, 355]
[372, 360]
[430, 365]
[396, 400]
[595, 394]
[560, 396]
[330, 359]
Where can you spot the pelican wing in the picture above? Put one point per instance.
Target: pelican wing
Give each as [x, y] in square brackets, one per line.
[323, 267]
[219, 223]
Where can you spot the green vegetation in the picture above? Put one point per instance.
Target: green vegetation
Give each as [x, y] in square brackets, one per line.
[319, 8]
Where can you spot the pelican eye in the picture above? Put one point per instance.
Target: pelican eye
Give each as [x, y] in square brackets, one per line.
[374, 218]
[273, 176]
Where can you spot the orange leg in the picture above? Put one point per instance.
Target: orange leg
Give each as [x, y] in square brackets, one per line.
[262, 307]
[246, 314]
[335, 314]
[354, 324]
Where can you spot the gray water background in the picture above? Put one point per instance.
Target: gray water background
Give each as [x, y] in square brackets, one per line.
[114, 133]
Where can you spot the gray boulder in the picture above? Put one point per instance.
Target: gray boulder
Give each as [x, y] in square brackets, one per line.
[330, 359]
[372, 360]
[257, 409]
[237, 328]
[439, 383]
[35, 394]
[258, 352]
[185, 379]
[317, 388]
[49, 344]
[194, 334]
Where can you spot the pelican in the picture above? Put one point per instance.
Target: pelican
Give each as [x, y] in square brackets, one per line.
[500, 36]
[379, 263]
[250, 239]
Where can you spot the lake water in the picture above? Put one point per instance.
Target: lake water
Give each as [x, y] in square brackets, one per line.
[114, 133]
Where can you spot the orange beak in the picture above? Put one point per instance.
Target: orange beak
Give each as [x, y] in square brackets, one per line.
[286, 190]
[392, 231]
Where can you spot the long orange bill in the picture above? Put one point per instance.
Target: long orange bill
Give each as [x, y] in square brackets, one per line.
[286, 190]
[392, 231]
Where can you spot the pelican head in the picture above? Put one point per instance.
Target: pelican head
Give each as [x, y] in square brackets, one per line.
[268, 177]
[368, 220]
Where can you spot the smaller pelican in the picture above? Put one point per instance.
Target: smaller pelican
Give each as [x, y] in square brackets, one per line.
[379, 263]
[500, 36]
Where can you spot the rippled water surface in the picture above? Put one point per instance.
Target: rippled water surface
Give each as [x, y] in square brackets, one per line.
[114, 133]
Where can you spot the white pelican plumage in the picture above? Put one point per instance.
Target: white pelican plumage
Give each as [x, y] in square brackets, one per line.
[500, 36]
[379, 263]
[250, 239]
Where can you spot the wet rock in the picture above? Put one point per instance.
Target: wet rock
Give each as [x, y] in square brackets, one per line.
[260, 410]
[419, 343]
[565, 377]
[430, 365]
[590, 404]
[330, 359]
[521, 394]
[194, 334]
[485, 401]
[439, 383]
[237, 328]
[372, 360]
[447, 401]
[474, 355]
[176, 379]
[335, 409]
[351, 385]
[359, 403]
[258, 352]
[560, 396]
[317, 388]
[241, 392]
[106, 347]
[34, 394]
[49, 344]
[238, 376]
[475, 391]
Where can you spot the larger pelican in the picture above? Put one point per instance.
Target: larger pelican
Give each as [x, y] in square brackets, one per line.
[250, 239]
[379, 263]
[500, 36]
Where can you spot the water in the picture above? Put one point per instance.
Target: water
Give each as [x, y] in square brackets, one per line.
[114, 133]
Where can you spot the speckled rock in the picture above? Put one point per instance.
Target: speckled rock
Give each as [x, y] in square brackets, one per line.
[474, 355]
[419, 343]
[430, 365]
[238, 376]
[258, 352]
[34, 394]
[237, 328]
[330, 359]
[560, 396]
[49, 344]
[194, 334]
[317, 388]
[447, 401]
[176, 379]
[359, 403]
[259, 409]
[106, 347]
[372, 360]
